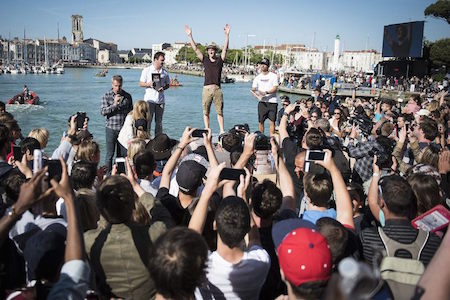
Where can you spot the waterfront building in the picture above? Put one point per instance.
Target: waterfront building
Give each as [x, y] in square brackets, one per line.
[77, 30]
[124, 55]
[363, 60]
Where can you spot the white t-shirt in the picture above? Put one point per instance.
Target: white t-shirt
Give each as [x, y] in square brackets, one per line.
[264, 83]
[150, 93]
[242, 280]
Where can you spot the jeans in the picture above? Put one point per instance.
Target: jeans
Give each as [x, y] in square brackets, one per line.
[111, 145]
[157, 110]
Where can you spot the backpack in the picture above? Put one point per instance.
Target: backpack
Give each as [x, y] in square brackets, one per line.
[402, 274]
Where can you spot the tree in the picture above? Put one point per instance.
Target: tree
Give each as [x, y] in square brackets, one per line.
[440, 53]
[440, 9]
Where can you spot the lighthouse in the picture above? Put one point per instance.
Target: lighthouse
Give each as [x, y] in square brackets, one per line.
[337, 44]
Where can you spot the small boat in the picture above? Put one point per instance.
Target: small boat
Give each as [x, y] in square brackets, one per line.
[33, 99]
[174, 83]
[227, 79]
[102, 73]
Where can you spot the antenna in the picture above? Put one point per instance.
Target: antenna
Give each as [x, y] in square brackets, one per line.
[58, 30]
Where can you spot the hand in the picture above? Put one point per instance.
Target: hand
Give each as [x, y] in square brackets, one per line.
[243, 184]
[23, 167]
[160, 89]
[117, 99]
[394, 164]
[354, 133]
[207, 138]
[402, 135]
[129, 175]
[375, 167]
[101, 173]
[274, 147]
[149, 84]
[188, 30]
[226, 29]
[114, 170]
[62, 188]
[30, 192]
[73, 125]
[290, 108]
[444, 162]
[328, 162]
[249, 143]
[186, 138]
[212, 182]
[85, 124]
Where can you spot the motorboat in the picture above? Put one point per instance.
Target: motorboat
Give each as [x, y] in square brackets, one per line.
[32, 99]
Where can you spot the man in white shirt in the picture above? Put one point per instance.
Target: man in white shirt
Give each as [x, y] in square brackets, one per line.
[264, 88]
[155, 79]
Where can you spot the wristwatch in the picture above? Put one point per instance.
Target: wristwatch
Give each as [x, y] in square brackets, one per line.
[11, 211]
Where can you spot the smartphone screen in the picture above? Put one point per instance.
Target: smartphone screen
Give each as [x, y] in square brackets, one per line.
[120, 162]
[199, 132]
[231, 174]
[54, 169]
[17, 152]
[315, 155]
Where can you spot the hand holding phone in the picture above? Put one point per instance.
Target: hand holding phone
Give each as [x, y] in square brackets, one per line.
[231, 174]
[81, 116]
[17, 153]
[54, 169]
[199, 132]
[433, 220]
[120, 162]
[315, 155]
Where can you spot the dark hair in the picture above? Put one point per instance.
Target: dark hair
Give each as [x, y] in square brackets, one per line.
[144, 163]
[336, 235]
[233, 220]
[178, 263]
[2, 105]
[429, 128]
[235, 155]
[398, 195]
[356, 191]
[30, 144]
[158, 54]
[266, 199]
[417, 99]
[388, 102]
[323, 124]
[115, 199]
[12, 184]
[117, 78]
[231, 142]
[426, 191]
[319, 188]
[315, 139]
[312, 290]
[83, 174]
[5, 137]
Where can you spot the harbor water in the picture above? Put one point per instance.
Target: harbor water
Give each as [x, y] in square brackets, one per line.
[79, 90]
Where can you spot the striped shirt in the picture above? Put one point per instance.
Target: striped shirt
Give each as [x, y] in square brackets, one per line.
[115, 114]
[401, 231]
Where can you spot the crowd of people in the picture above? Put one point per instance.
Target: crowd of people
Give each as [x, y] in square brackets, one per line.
[344, 199]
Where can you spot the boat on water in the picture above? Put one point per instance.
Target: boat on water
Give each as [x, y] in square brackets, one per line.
[175, 82]
[227, 79]
[241, 77]
[102, 73]
[32, 99]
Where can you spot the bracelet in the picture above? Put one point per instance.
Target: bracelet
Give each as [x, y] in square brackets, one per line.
[376, 175]
[286, 114]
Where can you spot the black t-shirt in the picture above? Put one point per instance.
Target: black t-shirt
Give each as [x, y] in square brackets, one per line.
[213, 70]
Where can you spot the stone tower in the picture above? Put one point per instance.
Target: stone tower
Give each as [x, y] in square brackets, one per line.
[77, 32]
[337, 46]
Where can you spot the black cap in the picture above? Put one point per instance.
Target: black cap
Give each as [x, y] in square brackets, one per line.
[265, 61]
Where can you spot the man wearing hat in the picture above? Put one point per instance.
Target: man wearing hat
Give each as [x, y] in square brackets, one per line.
[264, 88]
[284, 102]
[213, 71]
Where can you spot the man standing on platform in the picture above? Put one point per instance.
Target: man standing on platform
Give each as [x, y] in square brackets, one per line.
[213, 72]
[115, 106]
[155, 79]
[264, 88]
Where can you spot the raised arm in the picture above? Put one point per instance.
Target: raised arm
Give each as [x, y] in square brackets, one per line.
[344, 209]
[193, 45]
[172, 162]
[225, 46]
[249, 145]
[282, 129]
[209, 150]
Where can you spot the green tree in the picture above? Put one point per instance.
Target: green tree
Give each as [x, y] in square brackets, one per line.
[188, 54]
[440, 53]
[440, 9]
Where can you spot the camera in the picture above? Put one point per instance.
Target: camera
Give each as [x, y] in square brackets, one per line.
[262, 142]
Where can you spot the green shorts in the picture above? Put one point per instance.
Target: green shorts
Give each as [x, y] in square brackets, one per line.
[209, 95]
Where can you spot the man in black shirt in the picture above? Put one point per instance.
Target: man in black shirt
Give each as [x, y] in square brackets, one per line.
[213, 71]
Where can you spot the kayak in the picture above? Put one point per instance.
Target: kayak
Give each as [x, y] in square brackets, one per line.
[33, 99]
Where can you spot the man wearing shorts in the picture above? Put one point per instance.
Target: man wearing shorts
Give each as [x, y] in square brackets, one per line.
[264, 88]
[212, 93]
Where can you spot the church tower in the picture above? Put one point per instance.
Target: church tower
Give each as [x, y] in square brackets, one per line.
[77, 32]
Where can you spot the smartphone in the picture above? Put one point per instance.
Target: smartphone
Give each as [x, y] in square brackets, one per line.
[120, 162]
[231, 174]
[81, 116]
[407, 127]
[199, 132]
[433, 220]
[54, 169]
[314, 155]
[17, 152]
[37, 160]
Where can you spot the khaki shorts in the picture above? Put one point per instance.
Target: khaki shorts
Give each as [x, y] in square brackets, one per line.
[209, 95]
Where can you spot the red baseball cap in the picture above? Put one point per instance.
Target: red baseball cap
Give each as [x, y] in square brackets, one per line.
[305, 256]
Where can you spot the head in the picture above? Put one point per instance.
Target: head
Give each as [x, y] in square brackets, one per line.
[212, 50]
[401, 120]
[14, 129]
[190, 176]
[88, 212]
[158, 59]
[117, 81]
[144, 164]
[12, 184]
[266, 199]
[40, 134]
[314, 116]
[337, 113]
[2, 107]
[300, 162]
[136, 145]
[115, 199]
[28, 145]
[427, 129]
[318, 188]
[264, 65]
[426, 191]
[88, 151]
[83, 174]
[5, 141]
[231, 142]
[333, 93]
[315, 139]
[336, 235]
[430, 156]
[232, 220]
[140, 110]
[316, 92]
[285, 101]
[178, 264]
[396, 197]
[323, 124]
[386, 105]
[357, 197]
[310, 103]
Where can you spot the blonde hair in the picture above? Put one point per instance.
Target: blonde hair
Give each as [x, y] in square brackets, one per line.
[87, 151]
[134, 147]
[40, 134]
[433, 105]
[140, 111]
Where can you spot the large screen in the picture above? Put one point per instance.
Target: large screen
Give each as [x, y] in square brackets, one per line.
[403, 40]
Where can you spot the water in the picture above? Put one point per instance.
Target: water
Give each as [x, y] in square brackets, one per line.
[79, 90]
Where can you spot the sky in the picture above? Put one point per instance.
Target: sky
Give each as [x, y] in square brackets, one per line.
[143, 23]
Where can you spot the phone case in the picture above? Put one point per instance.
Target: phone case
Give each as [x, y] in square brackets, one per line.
[433, 220]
